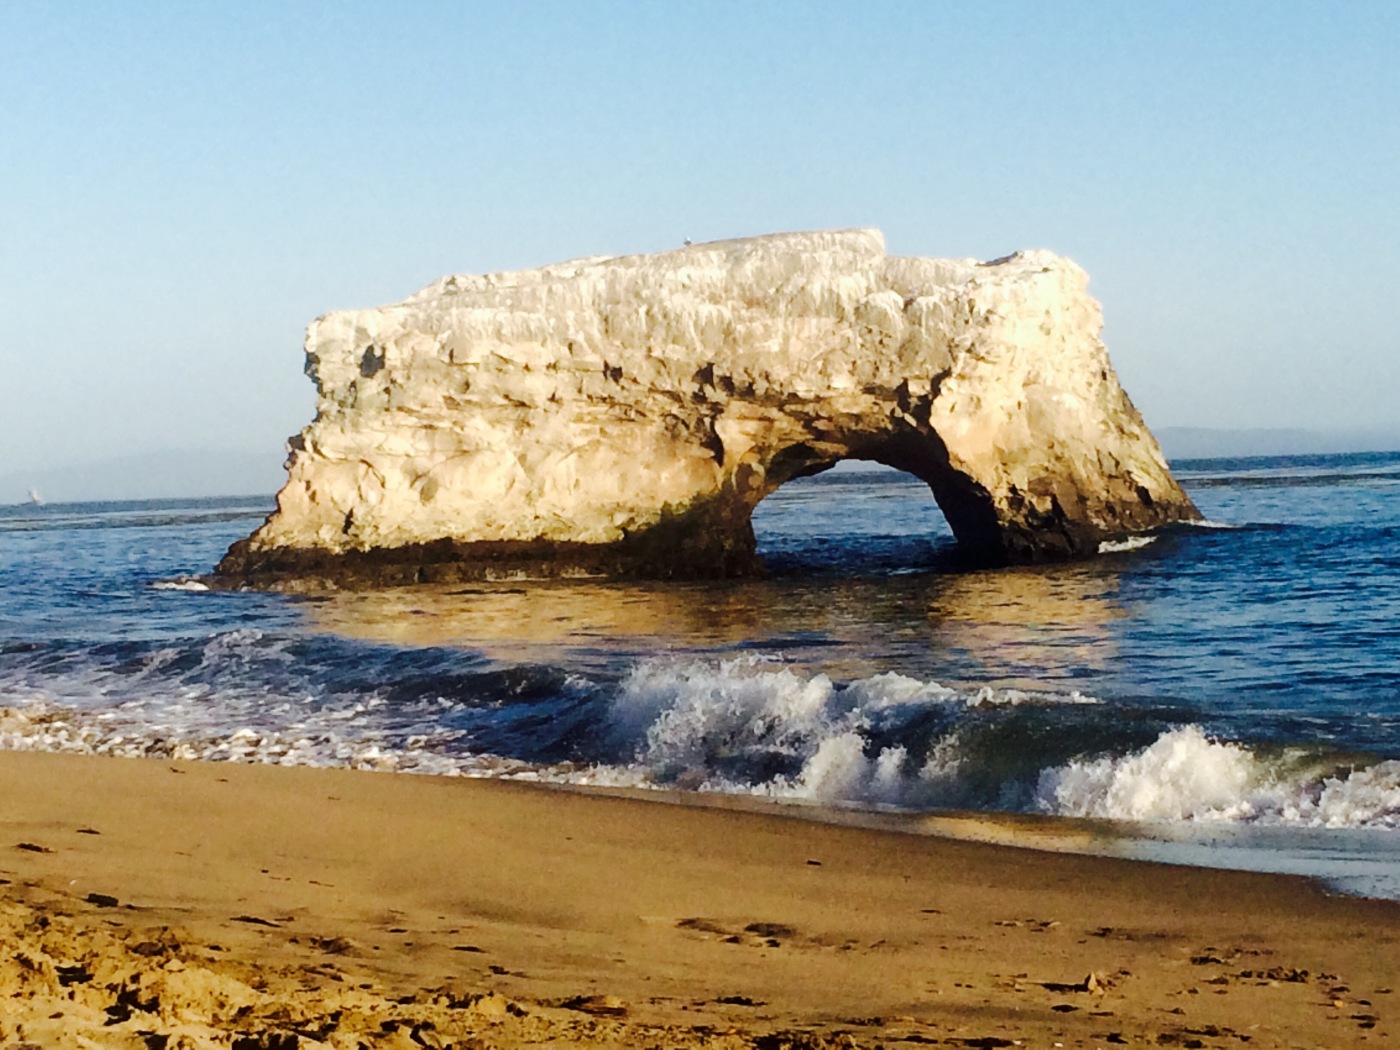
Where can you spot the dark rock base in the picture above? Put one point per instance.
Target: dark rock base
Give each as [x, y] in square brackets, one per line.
[642, 556]
[452, 561]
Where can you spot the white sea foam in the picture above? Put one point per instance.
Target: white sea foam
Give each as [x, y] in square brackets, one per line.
[748, 725]
[1186, 776]
[1131, 543]
[1182, 776]
[179, 584]
[751, 726]
[41, 726]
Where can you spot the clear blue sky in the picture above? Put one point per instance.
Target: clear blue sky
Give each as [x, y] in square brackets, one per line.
[183, 186]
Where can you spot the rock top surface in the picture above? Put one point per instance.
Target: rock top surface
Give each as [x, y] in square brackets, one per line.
[625, 415]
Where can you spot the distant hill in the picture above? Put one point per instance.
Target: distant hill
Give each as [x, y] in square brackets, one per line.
[1207, 443]
[175, 473]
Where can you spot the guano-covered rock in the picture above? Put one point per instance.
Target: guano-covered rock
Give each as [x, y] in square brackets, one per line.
[625, 415]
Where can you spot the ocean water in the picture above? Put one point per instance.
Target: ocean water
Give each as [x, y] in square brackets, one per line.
[1226, 693]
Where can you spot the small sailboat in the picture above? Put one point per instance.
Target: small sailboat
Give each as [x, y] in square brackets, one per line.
[35, 500]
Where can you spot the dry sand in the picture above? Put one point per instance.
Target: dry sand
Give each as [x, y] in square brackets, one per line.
[154, 904]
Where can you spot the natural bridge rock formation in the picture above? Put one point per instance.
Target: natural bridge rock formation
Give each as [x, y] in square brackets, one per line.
[625, 415]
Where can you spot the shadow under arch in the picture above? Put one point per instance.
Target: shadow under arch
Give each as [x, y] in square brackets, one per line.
[857, 520]
[966, 508]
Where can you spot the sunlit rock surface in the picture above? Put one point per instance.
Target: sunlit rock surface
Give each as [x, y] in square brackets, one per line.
[625, 415]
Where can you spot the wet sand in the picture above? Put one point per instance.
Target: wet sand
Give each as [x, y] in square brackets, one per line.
[161, 905]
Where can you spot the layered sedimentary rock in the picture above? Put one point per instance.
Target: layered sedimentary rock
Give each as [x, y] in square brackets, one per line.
[625, 415]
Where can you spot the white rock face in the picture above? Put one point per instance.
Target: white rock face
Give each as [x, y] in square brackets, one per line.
[627, 414]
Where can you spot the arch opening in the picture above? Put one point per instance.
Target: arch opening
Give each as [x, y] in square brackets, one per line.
[857, 518]
[868, 509]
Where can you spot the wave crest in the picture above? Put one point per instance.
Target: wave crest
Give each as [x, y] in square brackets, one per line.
[749, 726]
[1186, 776]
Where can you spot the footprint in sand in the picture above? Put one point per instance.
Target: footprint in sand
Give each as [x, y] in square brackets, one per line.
[253, 920]
[1031, 925]
[739, 1000]
[333, 945]
[754, 934]
[597, 1005]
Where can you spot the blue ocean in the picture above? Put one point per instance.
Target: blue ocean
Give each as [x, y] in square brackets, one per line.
[1226, 693]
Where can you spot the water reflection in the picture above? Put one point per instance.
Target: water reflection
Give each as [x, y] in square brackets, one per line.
[1033, 623]
[1023, 626]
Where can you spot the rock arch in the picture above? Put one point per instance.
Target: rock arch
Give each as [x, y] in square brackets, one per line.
[625, 415]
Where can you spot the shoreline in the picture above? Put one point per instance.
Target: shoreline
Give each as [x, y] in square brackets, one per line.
[344, 908]
[1353, 862]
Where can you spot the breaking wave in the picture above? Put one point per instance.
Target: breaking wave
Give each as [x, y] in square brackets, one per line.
[1186, 776]
[897, 741]
[751, 725]
[1131, 543]
[180, 584]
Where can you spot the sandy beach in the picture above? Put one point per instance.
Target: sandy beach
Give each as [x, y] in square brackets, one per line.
[157, 904]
